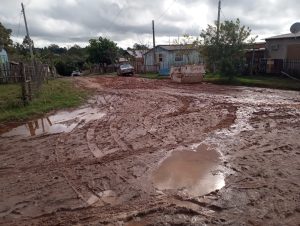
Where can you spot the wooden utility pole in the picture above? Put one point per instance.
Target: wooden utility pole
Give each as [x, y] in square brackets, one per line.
[218, 31]
[27, 32]
[218, 21]
[29, 40]
[153, 34]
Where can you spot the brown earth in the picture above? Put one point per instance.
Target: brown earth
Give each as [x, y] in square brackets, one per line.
[106, 169]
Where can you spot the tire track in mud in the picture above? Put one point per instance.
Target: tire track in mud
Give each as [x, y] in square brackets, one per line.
[109, 162]
[86, 193]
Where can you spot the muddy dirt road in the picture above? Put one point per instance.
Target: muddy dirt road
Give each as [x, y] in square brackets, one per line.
[150, 152]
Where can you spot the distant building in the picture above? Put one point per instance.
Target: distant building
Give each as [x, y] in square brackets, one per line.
[285, 46]
[136, 59]
[255, 54]
[167, 56]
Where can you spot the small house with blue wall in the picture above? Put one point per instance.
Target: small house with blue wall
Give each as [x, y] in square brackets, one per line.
[163, 57]
[4, 64]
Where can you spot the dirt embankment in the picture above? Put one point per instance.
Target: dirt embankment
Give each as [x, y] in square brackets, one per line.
[125, 161]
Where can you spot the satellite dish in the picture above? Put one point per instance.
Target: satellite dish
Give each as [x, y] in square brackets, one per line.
[295, 28]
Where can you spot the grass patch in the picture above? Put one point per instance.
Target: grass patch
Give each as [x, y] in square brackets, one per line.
[265, 81]
[56, 94]
[153, 76]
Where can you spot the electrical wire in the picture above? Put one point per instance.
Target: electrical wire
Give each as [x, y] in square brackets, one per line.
[164, 12]
[113, 20]
[19, 25]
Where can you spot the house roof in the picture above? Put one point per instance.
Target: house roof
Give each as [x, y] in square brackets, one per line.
[173, 47]
[137, 53]
[285, 36]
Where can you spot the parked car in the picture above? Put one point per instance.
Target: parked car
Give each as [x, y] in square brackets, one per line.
[125, 69]
[76, 73]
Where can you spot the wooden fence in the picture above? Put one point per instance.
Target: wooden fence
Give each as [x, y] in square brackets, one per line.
[29, 76]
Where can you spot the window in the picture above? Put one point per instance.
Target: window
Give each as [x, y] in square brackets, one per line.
[275, 47]
[178, 57]
[160, 57]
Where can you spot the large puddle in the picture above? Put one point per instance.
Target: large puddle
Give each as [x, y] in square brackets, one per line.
[194, 173]
[63, 121]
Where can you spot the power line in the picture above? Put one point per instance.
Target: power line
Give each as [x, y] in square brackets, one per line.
[113, 20]
[164, 12]
[121, 9]
[224, 17]
[19, 24]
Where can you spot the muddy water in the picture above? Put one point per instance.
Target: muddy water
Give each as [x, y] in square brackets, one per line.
[195, 173]
[63, 121]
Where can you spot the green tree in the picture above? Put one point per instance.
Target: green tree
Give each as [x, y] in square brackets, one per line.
[5, 37]
[102, 50]
[141, 46]
[187, 43]
[227, 53]
[55, 49]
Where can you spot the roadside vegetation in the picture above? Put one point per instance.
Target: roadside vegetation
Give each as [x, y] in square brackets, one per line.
[55, 94]
[265, 81]
[153, 76]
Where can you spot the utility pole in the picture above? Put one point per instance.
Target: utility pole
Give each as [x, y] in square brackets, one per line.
[154, 52]
[27, 32]
[218, 31]
[33, 75]
[218, 21]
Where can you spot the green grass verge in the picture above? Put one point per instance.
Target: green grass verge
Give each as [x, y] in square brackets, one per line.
[153, 76]
[266, 81]
[56, 94]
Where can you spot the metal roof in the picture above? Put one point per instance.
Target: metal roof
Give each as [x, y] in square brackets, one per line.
[173, 47]
[137, 53]
[285, 36]
[176, 47]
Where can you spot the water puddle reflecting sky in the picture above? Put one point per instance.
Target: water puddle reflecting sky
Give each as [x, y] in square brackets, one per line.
[63, 121]
[195, 173]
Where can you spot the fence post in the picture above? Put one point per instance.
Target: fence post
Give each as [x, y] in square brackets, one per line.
[23, 83]
[29, 89]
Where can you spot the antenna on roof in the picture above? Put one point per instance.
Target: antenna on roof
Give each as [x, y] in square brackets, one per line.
[295, 28]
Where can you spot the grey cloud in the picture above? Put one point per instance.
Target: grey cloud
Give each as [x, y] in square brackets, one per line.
[128, 19]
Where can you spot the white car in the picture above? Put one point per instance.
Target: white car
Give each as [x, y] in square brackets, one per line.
[125, 69]
[76, 73]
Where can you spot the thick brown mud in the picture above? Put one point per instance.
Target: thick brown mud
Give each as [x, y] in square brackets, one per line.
[149, 152]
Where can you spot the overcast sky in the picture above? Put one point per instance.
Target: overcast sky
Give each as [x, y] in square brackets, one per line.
[66, 22]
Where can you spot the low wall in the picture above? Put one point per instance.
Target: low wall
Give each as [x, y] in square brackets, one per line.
[188, 74]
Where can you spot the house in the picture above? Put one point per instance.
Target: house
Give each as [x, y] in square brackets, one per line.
[283, 54]
[163, 57]
[285, 46]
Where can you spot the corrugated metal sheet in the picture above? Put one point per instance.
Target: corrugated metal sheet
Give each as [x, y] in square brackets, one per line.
[285, 36]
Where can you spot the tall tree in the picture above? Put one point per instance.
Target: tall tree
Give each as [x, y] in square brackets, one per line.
[227, 52]
[54, 48]
[5, 37]
[140, 46]
[102, 50]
